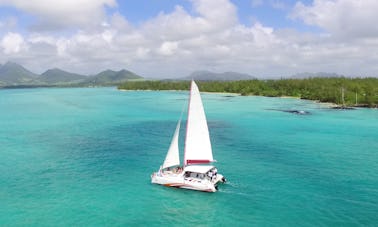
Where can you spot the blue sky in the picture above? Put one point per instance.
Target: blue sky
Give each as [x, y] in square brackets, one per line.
[172, 38]
[269, 12]
[139, 11]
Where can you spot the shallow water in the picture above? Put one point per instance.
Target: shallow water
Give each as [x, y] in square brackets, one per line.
[83, 156]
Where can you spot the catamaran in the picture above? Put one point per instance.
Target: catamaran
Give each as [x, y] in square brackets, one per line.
[197, 172]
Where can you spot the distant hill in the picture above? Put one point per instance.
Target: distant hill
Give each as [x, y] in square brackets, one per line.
[57, 76]
[312, 75]
[12, 73]
[111, 77]
[15, 75]
[210, 76]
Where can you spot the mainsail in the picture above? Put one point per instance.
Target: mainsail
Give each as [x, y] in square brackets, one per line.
[173, 157]
[197, 142]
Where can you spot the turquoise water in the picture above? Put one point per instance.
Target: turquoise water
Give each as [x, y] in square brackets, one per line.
[84, 156]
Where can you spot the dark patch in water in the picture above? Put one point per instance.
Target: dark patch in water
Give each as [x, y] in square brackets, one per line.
[299, 112]
[218, 124]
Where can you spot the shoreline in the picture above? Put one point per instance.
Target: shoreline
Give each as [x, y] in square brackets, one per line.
[328, 104]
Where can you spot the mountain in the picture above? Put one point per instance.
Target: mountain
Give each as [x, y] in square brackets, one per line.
[58, 76]
[226, 76]
[12, 73]
[312, 75]
[112, 77]
[15, 75]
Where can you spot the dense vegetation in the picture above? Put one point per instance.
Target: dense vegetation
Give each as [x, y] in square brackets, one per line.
[342, 91]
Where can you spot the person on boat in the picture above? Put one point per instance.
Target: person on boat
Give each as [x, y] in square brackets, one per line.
[210, 174]
[175, 170]
[160, 171]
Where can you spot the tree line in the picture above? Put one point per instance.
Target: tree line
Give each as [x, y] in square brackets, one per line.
[342, 91]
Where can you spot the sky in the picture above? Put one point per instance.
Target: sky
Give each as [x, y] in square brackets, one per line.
[173, 38]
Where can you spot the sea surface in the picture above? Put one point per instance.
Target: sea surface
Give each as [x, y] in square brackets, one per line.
[84, 156]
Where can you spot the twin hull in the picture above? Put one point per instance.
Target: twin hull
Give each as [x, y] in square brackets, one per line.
[179, 181]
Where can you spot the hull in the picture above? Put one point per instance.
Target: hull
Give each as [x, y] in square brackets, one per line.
[179, 181]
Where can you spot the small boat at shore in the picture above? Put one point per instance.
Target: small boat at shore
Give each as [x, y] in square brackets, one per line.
[197, 172]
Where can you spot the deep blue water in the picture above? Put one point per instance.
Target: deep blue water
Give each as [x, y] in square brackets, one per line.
[83, 156]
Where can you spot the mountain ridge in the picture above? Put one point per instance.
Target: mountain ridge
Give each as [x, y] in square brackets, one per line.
[114, 76]
[13, 75]
[57, 75]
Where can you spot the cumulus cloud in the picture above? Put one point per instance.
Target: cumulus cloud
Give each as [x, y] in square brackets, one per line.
[168, 48]
[348, 18]
[211, 16]
[62, 14]
[12, 43]
[220, 13]
[208, 36]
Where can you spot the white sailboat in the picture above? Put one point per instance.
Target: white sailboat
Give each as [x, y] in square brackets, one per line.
[197, 173]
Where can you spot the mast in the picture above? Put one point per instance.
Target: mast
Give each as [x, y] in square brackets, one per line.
[187, 121]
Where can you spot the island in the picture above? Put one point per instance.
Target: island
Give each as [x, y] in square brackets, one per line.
[342, 91]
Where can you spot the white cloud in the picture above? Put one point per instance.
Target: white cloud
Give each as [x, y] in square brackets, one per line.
[219, 13]
[176, 25]
[168, 48]
[61, 47]
[120, 23]
[347, 18]
[208, 36]
[211, 16]
[142, 53]
[12, 43]
[108, 35]
[37, 38]
[63, 14]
